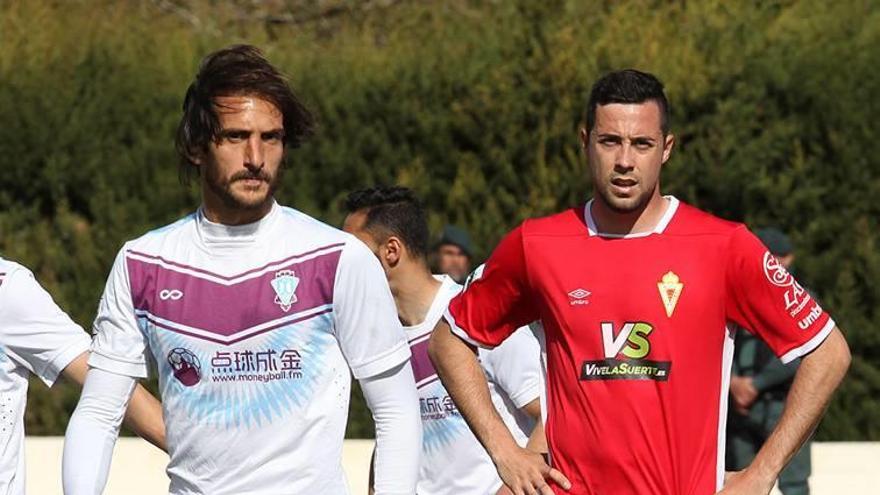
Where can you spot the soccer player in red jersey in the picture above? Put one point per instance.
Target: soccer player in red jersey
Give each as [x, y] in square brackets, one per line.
[635, 291]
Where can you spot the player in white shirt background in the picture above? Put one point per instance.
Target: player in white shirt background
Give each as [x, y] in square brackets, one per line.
[391, 222]
[253, 314]
[37, 337]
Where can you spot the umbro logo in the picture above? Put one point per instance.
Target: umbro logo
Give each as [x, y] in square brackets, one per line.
[578, 297]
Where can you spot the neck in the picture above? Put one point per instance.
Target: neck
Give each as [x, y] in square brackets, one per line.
[414, 289]
[217, 211]
[639, 221]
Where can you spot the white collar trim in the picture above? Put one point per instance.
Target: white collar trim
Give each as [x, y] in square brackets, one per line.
[671, 208]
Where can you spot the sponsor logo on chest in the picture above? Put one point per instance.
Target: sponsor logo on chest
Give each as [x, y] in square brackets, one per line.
[626, 351]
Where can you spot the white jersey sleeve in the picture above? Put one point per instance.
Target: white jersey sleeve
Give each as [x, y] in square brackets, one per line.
[515, 366]
[35, 332]
[367, 328]
[119, 346]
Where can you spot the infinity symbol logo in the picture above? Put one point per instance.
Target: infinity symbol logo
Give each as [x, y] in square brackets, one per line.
[172, 294]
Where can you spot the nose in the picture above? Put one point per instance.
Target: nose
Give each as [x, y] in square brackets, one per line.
[253, 156]
[624, 157]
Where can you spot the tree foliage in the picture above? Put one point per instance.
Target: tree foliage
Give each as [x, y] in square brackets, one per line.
[475, 105]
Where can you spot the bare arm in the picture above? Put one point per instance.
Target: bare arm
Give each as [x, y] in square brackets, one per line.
[372, 480]
[819, 374]
[537, 441]
[522, 470]
[144, 413]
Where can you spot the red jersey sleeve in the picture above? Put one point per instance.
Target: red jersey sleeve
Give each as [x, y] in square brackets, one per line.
[497, 303]
[764, 297]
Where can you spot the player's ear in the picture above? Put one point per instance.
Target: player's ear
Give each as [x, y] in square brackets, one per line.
[393, 251]
[585, 138]
[668, 144]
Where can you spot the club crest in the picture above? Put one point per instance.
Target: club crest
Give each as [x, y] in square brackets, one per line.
[670, 290]
[285, 284]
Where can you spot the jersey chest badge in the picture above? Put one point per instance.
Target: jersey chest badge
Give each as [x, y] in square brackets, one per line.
[670, 287]
[285, 284]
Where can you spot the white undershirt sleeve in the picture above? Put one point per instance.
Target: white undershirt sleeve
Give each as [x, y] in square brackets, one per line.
[92, 431]
[392, 398]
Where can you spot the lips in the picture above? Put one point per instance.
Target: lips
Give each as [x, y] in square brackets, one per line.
[623, 186]
[621, 182]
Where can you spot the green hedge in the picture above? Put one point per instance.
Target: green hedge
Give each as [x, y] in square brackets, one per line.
[476, 105]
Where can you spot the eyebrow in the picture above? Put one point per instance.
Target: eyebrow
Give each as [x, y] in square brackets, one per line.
[641, 138]
[238, 130]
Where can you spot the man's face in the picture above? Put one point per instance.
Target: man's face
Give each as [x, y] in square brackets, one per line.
[354, 225]
[241, 167]
[626, 150]
[453, 261]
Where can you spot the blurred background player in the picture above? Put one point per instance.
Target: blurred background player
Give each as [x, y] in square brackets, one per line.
[255, 315]
[759, 384]
[38, 338]
[635, 291]
[391, 222]
[454, 253]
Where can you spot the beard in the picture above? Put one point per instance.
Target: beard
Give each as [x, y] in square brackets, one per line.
[624, 205]
[237, 198]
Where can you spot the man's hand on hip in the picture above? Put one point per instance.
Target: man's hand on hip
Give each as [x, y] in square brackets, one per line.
[524, 472]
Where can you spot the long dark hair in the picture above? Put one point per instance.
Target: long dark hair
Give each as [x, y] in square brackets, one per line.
[236, 70]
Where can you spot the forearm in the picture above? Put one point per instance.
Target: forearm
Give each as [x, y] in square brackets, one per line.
[92, 432]
[460, 372]
[537, 440]
[818, 376]
[392, 399]
[144, 417]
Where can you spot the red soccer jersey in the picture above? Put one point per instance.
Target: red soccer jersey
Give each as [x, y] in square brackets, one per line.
[638, 346]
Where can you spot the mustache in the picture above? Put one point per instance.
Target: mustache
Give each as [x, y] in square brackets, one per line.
[247, 175]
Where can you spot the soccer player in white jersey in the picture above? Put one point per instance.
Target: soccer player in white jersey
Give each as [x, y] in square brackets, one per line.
[391, 222]
[253, 314]
[37, 337]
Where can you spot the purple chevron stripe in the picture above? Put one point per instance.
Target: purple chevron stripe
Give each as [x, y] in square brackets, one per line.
[421, 363]
[239, 339]
[230, 277]
[228, 309]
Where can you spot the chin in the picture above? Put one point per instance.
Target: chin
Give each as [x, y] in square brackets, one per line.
[251, 199]
[625, 205]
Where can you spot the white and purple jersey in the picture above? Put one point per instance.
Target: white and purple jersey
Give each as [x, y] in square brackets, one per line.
[252, 330]
[453, 460]
[36, 337]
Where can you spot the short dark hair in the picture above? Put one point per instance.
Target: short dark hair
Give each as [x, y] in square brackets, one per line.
[627, 86]
[393, 210]
[232, 71]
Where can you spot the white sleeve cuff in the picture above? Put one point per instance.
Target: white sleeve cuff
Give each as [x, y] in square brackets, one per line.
[382, 363]
[113, 364]
[62, 359]
[526, 395]
[811, 344]
[461, 333]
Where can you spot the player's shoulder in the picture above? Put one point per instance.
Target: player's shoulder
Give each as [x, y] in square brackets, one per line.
[303, 223]
[568, 222]
[690, 220]
[153, 240]
[10, 269]
[320, 235]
